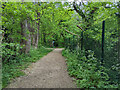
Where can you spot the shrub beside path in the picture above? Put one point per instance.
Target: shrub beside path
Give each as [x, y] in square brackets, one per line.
[49, 72]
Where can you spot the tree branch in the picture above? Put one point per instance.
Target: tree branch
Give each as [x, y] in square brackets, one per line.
[72, 33]
[2, 37]
[78, 11]
[80, 27]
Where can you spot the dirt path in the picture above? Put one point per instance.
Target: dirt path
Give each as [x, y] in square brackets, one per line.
[49, 72]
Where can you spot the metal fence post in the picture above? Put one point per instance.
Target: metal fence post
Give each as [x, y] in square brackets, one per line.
[103, 34]
[82, 40]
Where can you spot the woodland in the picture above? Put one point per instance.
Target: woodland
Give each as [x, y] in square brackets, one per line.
[89, 32]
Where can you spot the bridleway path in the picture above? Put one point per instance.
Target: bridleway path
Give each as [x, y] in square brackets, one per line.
[49, 72]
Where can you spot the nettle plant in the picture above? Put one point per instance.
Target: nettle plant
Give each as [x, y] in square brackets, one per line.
[84, 67]
[92, 75]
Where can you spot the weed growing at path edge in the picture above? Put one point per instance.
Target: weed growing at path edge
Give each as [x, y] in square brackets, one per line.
[84, 68]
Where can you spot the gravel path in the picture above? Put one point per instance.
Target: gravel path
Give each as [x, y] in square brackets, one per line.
[49, 72]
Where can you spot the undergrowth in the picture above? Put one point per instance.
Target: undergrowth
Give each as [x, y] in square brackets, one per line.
[83, 66]
[14, 68]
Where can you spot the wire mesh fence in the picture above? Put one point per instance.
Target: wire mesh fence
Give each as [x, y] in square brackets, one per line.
[105, 47]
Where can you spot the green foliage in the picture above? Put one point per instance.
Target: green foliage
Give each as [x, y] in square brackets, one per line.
[84, 68]
[50, 20]
[9, 51]
[14, 68]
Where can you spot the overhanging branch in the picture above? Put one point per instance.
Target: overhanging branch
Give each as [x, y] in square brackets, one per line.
[80, 28]
[72, 33]
[79, 11]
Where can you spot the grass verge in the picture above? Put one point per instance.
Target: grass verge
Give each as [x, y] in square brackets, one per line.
[14, 68]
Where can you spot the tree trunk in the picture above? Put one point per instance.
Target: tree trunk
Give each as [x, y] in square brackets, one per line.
[36, 41]
[28, 37]
[118, 40]
[119, 32]
[33, 40]
[37, 34]
[37, 37]
[22, 42]
[44, 39]
[25, 33]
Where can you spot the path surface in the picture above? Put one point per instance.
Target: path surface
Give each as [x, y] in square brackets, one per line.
[49, 72]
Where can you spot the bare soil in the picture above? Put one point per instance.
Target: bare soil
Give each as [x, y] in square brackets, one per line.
[49, 72]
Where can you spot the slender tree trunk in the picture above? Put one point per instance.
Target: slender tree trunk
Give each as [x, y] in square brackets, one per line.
[28, 37]
[119, 32]
[44, 35]
[33, 35]
[36, 41]
[22, 42]
[119, 47]
[37, 34]
[119, 40]
[28, 44]
[33, 40]
[37, 37]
